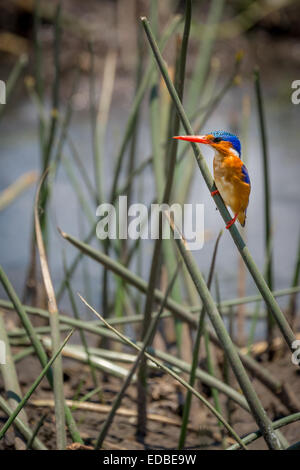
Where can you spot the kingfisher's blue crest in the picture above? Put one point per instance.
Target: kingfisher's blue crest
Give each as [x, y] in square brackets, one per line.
[233, 139]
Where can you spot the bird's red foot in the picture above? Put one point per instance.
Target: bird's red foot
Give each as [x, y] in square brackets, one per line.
[231, 222]
[213, 193]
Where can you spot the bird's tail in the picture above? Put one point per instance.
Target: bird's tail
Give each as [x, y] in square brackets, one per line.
[242, 218]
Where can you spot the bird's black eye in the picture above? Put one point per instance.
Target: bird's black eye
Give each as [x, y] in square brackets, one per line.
[217, 139]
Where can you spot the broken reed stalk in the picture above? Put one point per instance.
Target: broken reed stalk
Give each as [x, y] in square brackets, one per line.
[54, 324]
[257, 409]
[168, 371]
[13, 191]
[238, 240]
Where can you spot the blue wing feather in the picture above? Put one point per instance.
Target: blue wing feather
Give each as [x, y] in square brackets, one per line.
[245, 173]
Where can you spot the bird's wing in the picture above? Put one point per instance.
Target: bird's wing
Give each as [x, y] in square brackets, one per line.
[245, 175]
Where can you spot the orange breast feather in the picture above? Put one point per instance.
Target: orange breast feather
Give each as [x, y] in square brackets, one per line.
[230, 182]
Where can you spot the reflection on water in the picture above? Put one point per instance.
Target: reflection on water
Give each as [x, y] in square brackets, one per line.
[19, 153]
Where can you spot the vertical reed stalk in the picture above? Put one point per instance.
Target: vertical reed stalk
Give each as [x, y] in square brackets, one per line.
[267, 193]
[49, 145]
[196, 351]
[255, 315]
[292, 308]
[38, 61]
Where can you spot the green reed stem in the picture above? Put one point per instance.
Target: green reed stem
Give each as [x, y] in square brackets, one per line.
[255, 315]
[275, 425]
[82, 169]
[65, 122]
[292, 310]
[38, 426]
[50, 138]
[38, 67]
[23, 428]
[256, 275]
[196, 351]
[55, 88]
[267, 193]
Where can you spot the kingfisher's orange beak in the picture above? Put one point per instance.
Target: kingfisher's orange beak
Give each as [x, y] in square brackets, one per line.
[201, 139]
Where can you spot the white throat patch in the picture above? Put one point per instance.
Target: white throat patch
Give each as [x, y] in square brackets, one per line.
[234, 152]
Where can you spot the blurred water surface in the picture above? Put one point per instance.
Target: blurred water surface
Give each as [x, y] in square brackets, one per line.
[19, 154]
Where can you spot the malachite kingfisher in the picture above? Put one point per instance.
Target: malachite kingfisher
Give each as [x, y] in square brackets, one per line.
[230, 174]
